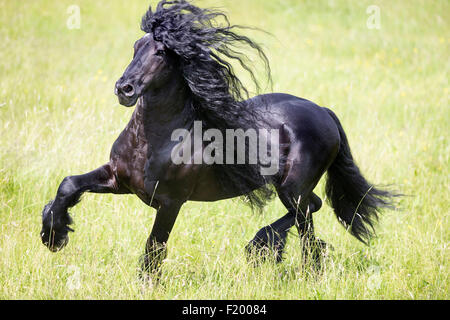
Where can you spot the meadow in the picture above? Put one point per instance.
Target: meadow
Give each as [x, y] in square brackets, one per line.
[59, 116]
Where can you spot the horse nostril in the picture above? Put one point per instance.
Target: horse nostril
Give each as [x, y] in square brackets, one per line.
[128, 89]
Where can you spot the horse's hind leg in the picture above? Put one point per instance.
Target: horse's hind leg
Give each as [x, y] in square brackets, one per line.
[305, 165]
[271, 240]
[296, 194]
[311, 245]
[56, 219]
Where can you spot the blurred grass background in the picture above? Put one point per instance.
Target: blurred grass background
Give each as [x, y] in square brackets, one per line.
[59, 117]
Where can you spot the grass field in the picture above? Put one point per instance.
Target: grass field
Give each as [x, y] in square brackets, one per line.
[59, 117]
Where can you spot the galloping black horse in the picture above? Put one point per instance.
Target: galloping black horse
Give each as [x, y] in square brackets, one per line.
[181, 73]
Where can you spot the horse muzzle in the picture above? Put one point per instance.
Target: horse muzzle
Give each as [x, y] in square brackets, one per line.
[126, 93]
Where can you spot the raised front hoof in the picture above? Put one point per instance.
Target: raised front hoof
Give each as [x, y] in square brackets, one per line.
[53, 235]
[54, 243]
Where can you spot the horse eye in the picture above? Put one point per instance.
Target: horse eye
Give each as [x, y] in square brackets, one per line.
[160, 52]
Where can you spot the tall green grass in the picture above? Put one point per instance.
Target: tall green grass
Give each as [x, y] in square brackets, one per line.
[59, 116]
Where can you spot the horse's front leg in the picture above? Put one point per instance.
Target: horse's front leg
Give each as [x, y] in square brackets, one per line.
[56, 219]
[156, 247]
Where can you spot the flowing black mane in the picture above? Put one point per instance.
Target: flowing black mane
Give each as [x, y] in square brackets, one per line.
[204, 45]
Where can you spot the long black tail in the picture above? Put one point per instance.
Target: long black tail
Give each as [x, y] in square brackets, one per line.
[355, 201]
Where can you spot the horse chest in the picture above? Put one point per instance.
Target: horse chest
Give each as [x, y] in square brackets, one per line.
[163, 177]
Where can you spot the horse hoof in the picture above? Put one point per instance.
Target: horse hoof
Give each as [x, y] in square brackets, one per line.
[258, 252]
[55, 246]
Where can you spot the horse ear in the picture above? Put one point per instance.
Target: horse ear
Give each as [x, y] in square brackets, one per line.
[145, 19]
[149, 12]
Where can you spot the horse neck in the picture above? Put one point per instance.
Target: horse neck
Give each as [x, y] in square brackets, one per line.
[165, 110]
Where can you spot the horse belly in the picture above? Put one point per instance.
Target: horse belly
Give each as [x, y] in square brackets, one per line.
[209, 189]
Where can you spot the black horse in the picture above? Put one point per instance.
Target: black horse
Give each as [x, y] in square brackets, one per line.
[181, 73]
